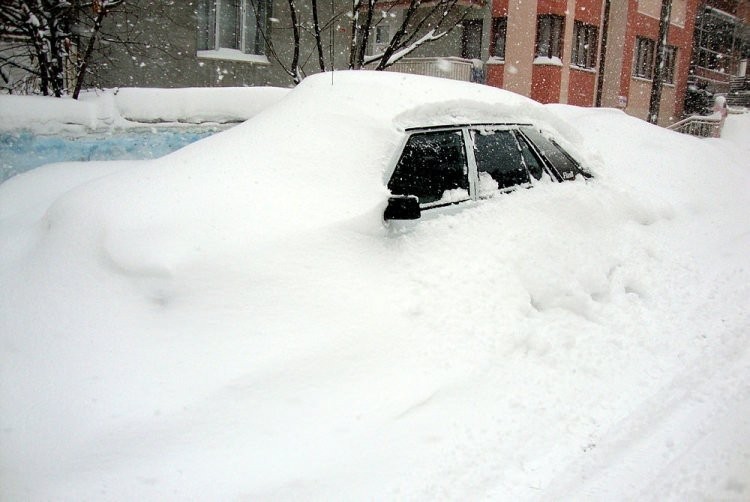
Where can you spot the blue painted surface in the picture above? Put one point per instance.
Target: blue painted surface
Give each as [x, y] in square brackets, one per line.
[22, 151]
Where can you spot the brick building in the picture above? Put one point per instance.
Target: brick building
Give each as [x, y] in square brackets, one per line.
[591, 52]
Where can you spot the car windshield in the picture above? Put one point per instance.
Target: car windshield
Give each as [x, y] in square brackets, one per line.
[432, 167]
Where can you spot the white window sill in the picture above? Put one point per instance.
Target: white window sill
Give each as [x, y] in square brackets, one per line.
[233, 55]
[545, 61]
[650, 81]
[641, 79]
[582, 69]
[496, 60]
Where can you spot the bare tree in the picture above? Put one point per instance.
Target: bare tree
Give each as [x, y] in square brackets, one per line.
[420, 24]
[418, 27]
[44, 38]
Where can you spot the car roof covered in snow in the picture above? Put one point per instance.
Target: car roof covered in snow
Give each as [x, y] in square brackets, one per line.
[407, 101]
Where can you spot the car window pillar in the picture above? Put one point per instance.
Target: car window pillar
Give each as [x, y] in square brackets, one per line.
[471, 163]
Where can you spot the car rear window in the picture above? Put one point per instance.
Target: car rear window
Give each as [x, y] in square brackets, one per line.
[566, 167]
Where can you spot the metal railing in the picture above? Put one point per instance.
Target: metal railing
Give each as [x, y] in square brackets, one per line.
[447, 67]
[737, 83]
[701, 126]
[739, 93]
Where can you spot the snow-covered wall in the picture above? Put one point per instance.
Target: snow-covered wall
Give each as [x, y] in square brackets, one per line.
[99, 111]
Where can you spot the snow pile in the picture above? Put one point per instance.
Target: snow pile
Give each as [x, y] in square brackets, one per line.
[234, 321]
[129, 107]
[735, 130]
[46, 114]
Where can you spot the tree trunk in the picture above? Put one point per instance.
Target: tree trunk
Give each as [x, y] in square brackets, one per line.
[295, 30]
[81, 73]
[656, 85]
[316, 31]
[365, 33]
[353, 37]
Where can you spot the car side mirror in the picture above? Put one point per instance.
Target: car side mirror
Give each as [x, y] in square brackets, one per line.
[404, 207]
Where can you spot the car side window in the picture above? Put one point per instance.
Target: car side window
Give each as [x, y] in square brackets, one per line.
[499, 161]
[566, 167]
[432, 167]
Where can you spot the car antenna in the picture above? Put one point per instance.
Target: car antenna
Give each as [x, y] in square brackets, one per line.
[330, 46]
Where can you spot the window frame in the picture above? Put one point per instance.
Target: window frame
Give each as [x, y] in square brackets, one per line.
[549, 171]
[585, 45]
[251, 42]
[380, 37]
[644, 56]
[382, 34]
[553, 44]
[670, 64]
[472, 30]
[499, 27]
[716, 40]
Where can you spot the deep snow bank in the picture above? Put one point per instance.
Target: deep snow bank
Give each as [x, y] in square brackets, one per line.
[174, 331]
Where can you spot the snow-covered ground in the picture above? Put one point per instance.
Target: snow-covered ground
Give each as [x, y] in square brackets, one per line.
[169, 331]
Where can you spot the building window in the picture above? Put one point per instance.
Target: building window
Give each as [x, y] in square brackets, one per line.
[239, 25]
[379, 38]
[471, 39]
[381, 35]
[585, 38]
[717, 36]
[499, 32]
[670, 63]
[643, 64]
[549, 32]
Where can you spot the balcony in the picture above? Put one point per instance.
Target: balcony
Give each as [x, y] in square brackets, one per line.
[446, 67]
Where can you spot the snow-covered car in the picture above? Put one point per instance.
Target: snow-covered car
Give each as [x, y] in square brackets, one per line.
[446, 165]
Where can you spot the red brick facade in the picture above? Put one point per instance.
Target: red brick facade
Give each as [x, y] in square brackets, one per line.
[559, 79]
